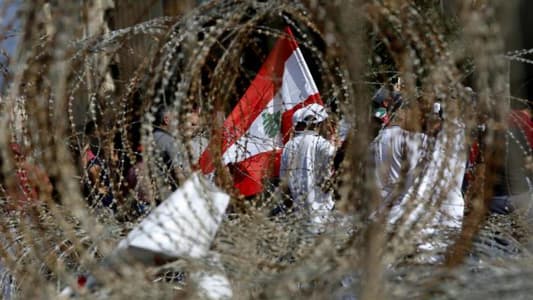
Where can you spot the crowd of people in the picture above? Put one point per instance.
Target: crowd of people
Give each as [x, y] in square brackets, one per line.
[119, 183]
[414, 170]
[422, 175]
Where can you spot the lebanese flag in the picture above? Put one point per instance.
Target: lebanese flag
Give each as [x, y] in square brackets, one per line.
[255, 131]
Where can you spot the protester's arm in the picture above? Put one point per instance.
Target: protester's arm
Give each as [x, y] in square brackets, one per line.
[178, 165]
[327, 148]
[94, 175]
[326, 157]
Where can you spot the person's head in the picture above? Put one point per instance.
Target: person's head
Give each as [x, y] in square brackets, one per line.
[386, 98]
[162, 117]
[90, 129]
[309, 117]
[385, 102]
[91, 137]
[192, 123]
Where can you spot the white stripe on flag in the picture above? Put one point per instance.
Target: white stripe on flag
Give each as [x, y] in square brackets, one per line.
[296, 87]
[255, 140]
[297, 84]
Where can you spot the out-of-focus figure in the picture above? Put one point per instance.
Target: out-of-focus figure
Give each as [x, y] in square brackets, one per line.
[306, 162]
[442, 176]
[97, 186]
[420, 174]
[30, 184]
[514, 180]
[168, 157]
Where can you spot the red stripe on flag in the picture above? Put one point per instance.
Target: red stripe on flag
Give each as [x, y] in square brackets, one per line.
[286, 118]
[257, 96]
[248, 175]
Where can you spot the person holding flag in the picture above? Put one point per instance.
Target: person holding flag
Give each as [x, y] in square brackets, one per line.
[254, 133]
[307, 163]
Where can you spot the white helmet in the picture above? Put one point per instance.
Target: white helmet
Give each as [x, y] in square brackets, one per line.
[311, 114]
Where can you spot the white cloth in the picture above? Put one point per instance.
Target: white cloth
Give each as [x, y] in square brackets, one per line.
[211, 281]
[184, 225]
[433, 170]
[399, 156]
[306, 162]
[343, 129]
[393, 148]
[443, 178]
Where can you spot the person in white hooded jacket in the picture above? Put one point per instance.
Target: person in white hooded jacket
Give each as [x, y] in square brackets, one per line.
[306, 163]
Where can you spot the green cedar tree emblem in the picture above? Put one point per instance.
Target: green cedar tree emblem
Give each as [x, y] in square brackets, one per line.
[272, 123]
